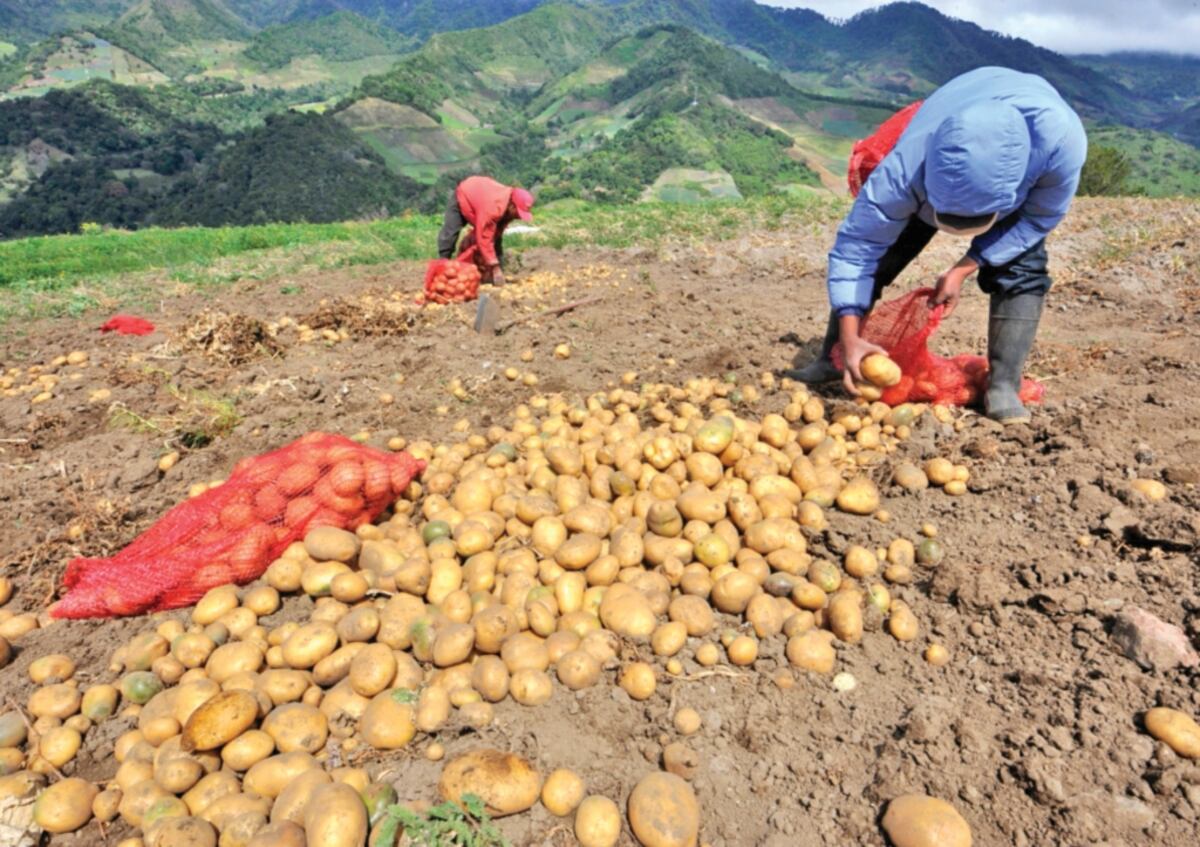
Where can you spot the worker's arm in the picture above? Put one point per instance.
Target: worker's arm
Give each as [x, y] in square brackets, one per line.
[1043, 210]
[485, 237]
[878, 217]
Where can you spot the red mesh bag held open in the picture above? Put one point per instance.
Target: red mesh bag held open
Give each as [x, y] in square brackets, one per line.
[231, 533]
[903, 328]
[869, 152]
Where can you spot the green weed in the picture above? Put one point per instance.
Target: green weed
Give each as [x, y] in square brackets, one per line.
[445, 825]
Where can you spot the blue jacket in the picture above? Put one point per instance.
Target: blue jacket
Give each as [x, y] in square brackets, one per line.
[991, 140]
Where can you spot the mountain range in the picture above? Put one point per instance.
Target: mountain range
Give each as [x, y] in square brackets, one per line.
[602, 99]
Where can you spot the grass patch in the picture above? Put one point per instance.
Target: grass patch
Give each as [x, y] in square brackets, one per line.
[444, 825]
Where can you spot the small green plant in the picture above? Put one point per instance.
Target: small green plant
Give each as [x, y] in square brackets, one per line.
[445, 825]
[290, 289]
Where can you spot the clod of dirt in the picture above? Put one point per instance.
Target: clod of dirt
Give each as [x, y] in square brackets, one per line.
[367, 317]
[230, 338]
[1152, 642]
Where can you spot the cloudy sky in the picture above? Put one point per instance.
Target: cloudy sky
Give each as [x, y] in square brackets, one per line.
[1068, 26]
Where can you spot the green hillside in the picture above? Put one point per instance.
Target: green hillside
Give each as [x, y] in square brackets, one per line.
[170, 34]
[340, 37]
[25, 21]
[1159, 164]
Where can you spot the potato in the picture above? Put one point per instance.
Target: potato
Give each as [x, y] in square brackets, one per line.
[694, 613]
[578, 669]
[270, 776]
[210, 789]
[372, 670]
[59, 745]
[669, 638]
[453, 644]
[812, 651]
[106, 804]
[247, 750]
[182, 832]
[286, 834]
[505, 782]
[937, 655]
[490, 678]
[309, 644]
[336, 816]
[627, 612]
[902, 623]
[939, 471]
[234, 658]
[329, 544]
[845, 616]
[433, 707]
[663, 811]
[562, 792]
[219, 720]
[597, 822]
[1151, 489]
[137, 799]
[292, 802]
[578, 551]
[215, 603]
[296, 727]
[638, 680]
[65, 806]
[221, 812]
[880, 370]
[178, 774]
[51, 669]
[241, 829]
[1175, 729]
[732, 592]
[742, 651]
[909, 477]
[860, 496]
[530, 687]
[917, 820]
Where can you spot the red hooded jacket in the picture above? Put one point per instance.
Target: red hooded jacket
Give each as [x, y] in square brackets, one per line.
[484, 203]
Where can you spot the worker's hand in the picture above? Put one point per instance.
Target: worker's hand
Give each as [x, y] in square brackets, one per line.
[497, 276]
[949, 284]
[855, 349]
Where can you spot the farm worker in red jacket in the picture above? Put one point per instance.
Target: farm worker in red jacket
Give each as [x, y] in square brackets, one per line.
[489, 207]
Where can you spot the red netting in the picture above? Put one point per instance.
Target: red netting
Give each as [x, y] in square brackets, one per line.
[128, 325]
[869, 152]
[451, 281]
[231, 533]
[903, 328]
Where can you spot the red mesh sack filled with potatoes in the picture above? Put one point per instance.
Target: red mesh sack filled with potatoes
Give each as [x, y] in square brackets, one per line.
[451, 281]
[231, 533]
[903, 328]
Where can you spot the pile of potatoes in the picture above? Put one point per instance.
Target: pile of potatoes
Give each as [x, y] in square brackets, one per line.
[39, 381]
[527, 554]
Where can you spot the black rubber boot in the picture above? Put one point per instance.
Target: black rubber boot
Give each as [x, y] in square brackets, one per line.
[1012, 326]
[821, 369]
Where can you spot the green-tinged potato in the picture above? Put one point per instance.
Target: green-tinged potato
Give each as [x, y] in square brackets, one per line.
[663, 812]
[860, 496]
[597, 822]
[812, 651]
[930, 552]
[137, 799]
[336, 817]
[270, 776]
[296, 727]
[65, 806]
[13, 730]
[99, 702]
[505, 782]
[562, 793]
[1175, 729]
[389, 721]
[292, 802]
[182, 832]
[917, 820]
[627, 612]
[219, 720]
[715, 436]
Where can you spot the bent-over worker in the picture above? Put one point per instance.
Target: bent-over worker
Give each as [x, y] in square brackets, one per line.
[993, 155]
[489, 207]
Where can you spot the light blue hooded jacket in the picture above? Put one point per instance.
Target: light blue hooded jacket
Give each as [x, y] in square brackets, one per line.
[991, 140]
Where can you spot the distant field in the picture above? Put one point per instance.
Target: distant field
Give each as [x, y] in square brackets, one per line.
[71, 274]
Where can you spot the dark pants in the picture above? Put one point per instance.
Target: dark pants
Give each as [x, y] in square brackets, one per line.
[452, 226]
[1026, 274]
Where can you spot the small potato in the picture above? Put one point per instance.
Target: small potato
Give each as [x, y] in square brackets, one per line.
[1175, 729]
[916, 820]
[902, 623]
[65, 806]
[845, 616]
[597, 822]
[563, 792]
[939, 471]
[505, 782]
[742, 651]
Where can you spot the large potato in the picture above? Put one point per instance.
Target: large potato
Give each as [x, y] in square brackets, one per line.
[663, 812]
[1175, 729]
[296, 727]
[65, 806]
[336, 816]
[627, 612]
[388, 723]
[880, 371]
[292, 802]
[505, 782]
[219, 720]
[916, 820]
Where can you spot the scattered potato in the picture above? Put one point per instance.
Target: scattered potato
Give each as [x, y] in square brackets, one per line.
[563, 792]
[916, 820]
[1177, 730]
[663, 811]
[597, 822]
[504, 781]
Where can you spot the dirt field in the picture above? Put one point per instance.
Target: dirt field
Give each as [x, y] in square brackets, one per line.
[1033, 730]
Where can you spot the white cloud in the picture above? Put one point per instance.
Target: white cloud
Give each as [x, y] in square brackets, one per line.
[1068, 26]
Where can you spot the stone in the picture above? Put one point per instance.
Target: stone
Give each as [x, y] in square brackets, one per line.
[1152, 642]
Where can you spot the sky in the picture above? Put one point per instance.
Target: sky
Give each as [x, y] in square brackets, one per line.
[1066, 26]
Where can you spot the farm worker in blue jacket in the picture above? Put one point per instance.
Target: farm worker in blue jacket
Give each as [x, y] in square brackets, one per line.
[993, 155]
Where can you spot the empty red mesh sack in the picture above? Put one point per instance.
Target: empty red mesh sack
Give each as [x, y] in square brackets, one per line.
[451, 281]
[903, 328]
[231, 533]
[127, 325]
[869, 152]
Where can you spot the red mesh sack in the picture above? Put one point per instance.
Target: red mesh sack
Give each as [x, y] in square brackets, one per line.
[231, 533]
[127, 325]
[903, 328]
[451, 281]
[869, 152]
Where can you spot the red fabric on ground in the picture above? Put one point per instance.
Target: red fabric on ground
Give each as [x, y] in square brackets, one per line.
[128, 325]
[231, 533]
[869, 152]
[903, 328]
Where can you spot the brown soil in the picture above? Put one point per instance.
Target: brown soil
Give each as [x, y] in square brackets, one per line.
[1033, 731]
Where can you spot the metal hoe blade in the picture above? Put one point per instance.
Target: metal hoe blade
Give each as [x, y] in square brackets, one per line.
[486, 315]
